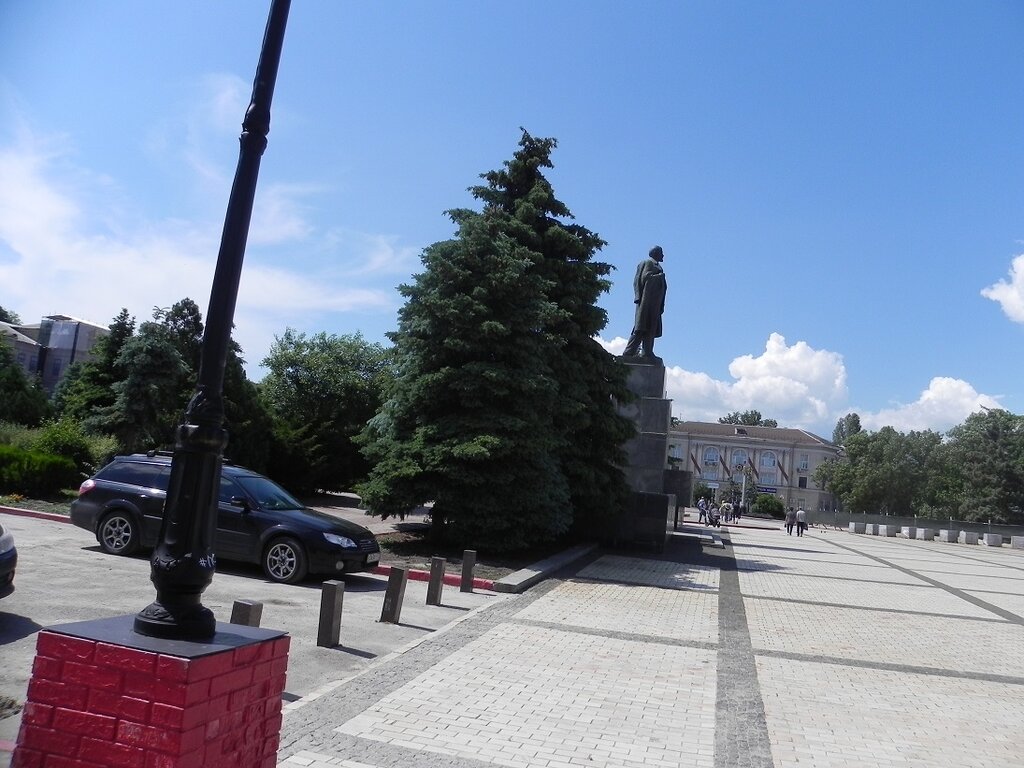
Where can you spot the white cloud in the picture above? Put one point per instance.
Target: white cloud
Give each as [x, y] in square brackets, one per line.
[796, 385]
[66, 246]
[946, 403]
[1010, 294]
[615, 346]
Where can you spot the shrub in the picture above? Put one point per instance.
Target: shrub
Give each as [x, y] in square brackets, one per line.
[65, 438]
[31, 473]
[770, 506]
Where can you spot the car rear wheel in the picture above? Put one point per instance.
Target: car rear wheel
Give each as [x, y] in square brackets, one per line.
[118, 534]
[284, 561]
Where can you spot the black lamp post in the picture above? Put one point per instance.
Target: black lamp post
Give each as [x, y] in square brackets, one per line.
[183, 563]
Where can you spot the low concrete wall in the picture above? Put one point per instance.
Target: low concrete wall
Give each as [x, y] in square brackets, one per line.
[909, 531]
[1017, 542]
[968, 537]
[857, 527]
[992, 539]
[927, 534]
[871, 529]
[887, 530]
[947, 534]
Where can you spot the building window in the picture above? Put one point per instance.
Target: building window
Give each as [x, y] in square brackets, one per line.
[802, 482]
[805, 462]
[769, 474]
[739, 460]
[710, 456]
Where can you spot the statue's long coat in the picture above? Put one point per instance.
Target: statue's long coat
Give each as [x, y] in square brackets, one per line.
[649, 289]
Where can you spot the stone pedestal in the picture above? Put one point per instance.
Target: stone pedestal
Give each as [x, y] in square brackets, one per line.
[871, 529]
[968, 537]
[887, 530]
[927, 534]
[646, 521]
[857, 527]
[909, 532]
[102, 695]
[1017, 542]
[947, 535]
[992, 539]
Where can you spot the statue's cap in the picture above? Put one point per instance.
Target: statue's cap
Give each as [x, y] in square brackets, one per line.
[656, 251]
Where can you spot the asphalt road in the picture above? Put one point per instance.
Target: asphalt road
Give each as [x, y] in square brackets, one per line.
[63, 576]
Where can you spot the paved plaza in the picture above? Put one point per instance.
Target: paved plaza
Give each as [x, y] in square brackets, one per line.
[832, 650]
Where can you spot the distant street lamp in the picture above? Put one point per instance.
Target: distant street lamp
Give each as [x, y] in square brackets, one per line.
[183, 563]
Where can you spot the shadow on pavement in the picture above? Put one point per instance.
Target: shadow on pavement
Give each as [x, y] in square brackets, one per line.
[15, 627]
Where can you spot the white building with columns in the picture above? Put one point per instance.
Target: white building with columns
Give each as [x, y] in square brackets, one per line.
[730, 458]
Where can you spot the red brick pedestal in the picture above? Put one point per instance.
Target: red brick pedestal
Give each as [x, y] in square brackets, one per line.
[103, 696]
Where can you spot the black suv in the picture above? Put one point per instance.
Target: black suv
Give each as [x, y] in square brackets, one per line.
[257, 520]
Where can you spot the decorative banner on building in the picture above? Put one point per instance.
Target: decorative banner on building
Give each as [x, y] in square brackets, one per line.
[696, 465]
[753, 469]
[725, 466]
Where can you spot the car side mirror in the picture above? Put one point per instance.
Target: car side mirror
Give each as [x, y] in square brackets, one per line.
[240, 501]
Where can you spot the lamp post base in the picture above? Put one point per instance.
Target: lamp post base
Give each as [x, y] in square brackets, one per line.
[194, 622]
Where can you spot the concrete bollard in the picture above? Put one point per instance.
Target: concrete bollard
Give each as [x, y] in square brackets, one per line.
[909, 532]
[436, 583]
[871, 529]
[247, 613]
[968, 537]
[468, 566]
[394, 595]
[992, 540]
[857, 527]
[927, 534]
[1017, 542]
[887, 530]
[947, 534]
[332, 596]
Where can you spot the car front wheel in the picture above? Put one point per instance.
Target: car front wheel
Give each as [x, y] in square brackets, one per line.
[118, 534]
[284, 561]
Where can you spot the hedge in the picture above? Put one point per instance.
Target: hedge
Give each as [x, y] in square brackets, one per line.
[30, 473]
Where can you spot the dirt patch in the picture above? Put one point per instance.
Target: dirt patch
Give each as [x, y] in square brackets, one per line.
[411, 548]
[8, 707]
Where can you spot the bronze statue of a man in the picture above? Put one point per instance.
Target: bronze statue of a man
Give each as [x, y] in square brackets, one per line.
[649, 296]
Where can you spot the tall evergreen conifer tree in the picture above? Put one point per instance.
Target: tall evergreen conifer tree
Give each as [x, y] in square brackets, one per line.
[503, 412]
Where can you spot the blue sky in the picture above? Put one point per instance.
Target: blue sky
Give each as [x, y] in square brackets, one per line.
[838, 187]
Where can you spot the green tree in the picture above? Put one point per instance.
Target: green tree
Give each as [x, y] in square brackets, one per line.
[747, 419]
[322, 390]
[88, 387]
[7, 316]
[520, 202]
[148, 396]
[22, 400]
[988, 450]
[502, 410]
[846, 427]
[887, 471]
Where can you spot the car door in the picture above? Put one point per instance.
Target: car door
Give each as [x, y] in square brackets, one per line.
[237, 537]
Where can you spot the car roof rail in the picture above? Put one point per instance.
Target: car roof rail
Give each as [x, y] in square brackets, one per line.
[151, 454]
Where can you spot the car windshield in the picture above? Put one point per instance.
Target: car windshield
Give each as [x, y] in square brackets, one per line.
[268, 494]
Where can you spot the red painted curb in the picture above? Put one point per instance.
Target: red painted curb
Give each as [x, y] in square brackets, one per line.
[450, 579]
[33, 513]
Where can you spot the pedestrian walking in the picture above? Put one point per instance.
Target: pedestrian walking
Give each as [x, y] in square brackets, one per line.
[801, 521]
[702, 510]
[790, 520]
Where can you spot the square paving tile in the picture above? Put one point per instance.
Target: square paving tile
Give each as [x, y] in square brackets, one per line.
[522, 695]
